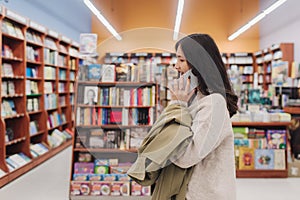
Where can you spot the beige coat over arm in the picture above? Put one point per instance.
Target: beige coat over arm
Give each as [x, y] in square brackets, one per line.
[211, 151]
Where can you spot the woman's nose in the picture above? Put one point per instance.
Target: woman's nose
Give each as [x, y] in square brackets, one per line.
[176, 66]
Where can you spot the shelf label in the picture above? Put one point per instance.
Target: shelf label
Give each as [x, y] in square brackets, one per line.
[65, 39]
[16, 17]
[166, 54]
[275, 46]
[257, 53]
[141, 54]
[76, 44]
[52, 33]
[38, 27]
[116, 54]
[241, 54]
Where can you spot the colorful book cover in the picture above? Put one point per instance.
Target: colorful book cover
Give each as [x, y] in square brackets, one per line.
[83, 168]
[276, 139]
[264, 159]
[279, 159]
[246, 158]
[108, 73]
[94, 72]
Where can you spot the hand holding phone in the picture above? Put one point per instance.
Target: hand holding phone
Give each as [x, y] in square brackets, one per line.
[193, 80]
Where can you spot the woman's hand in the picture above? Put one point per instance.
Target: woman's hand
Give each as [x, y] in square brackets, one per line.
[179, 92]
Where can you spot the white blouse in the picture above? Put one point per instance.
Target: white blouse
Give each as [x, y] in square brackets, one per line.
[211, 151]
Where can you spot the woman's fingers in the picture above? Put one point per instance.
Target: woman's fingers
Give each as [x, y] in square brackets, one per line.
[187, 86]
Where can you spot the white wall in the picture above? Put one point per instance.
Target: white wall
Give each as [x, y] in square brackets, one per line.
[282, 25]
[67, 17]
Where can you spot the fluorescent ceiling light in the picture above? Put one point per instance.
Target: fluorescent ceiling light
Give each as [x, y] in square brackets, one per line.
[256, 19]
[102, 19]
[178, 19]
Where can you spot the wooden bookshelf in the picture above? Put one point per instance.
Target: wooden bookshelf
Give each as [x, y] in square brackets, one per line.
[111, 97]
[24, 57]
[265, 173]
[275, 53]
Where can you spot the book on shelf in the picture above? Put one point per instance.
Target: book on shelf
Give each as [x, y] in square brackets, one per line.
[97, 138]
[8, 88]
[279, 159]
[33, 127]
[123, 72]
[94, 72]
[246, 158]
[4, 88]
[38, 149]
[90, 95]
[264, 158]
[276, 139]
[108, 73]
[20, 159]
[8, 108]
[9, 134]
[280, 71]
[11, 164]
[10, 28]
[7, 69]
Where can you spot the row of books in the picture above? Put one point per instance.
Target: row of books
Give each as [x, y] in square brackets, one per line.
[62, 61]
[57, 137]
[109, 188]
[49, 72]
[55, 119]
[118, 58]
[263, 159]
[32, 54]
[61, 87]
[8, 88]
[113, 139]
[271, 139]
[31, 72]
[32, 104]
[50, 101]
[118, 96]
[7, 51]
[33, 37]
[50, 57]
[240, 60]
[12, 29]
[123, 116]
[32, 87]
[125, 72]
[16, 161]
[7, 70]
[108, 175]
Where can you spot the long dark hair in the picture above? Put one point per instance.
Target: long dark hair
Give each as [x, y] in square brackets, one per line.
[203, 57]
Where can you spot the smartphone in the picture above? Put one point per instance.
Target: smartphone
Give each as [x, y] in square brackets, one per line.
[194, 81]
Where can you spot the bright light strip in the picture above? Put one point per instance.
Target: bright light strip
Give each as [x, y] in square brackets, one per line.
[102, 19]
[178, 19]
[256, 19]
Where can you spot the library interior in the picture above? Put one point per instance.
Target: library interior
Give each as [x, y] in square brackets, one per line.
[96, 104]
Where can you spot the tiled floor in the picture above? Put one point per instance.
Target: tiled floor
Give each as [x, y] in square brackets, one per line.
[50, 181]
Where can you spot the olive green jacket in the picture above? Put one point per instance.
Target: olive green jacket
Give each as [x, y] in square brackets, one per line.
[165, 142]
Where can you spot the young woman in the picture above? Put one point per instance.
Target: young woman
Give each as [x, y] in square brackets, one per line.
[211, 103]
